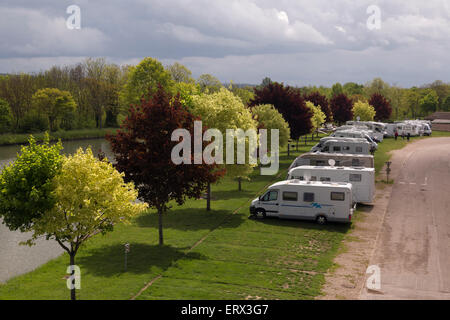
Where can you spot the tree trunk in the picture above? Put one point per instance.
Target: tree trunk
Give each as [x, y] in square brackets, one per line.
[289, 149]
[240, 186]
[160, 226]
[296, 147]
[72, 290]
[208, 198]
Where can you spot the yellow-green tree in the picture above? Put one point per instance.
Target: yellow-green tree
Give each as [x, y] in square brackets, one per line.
[363, 110]
[318, 118]
[223, 110]
[144, 79]
[269, 118]
[54, 104]
[91, 196]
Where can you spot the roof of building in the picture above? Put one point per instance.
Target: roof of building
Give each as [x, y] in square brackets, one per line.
[439, 115]
[442, 121]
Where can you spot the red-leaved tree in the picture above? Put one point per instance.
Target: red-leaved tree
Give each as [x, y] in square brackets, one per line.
[143, 147]
[320, 100]
[289, 103]
[382, 107]
[341, 106]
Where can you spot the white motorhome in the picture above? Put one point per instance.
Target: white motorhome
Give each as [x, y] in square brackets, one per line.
[343, 145]
[362, 179]
[390, 129]
[378, 128]
[405, 128]
[340, 159]
[295, 199]
[354, 134]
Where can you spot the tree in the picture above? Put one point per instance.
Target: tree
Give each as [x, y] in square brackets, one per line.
[246, 94]
[26, 185]
[266, 81]
[318, 117]
[429, 102]
[446, 104]
[54, 104]
[289, 103]
[223, 110]
[321, 100]
[209, 83]
[143, 148]
[363, 110]
[180, 73]
[144, 79]
[5, 116]
[382, 107]
[377, 85]
[341, 106]
[91, 196]
[352, 88]
[269, 118]
[336, 89]
[411, 99]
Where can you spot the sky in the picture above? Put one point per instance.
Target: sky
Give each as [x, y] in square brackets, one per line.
[298, 42]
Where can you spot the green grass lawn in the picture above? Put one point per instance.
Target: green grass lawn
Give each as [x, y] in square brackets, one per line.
[20, 138]
[219, 254]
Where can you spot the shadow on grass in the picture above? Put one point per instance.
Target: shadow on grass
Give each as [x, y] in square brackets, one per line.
[191, 219]
[109, 260]
[305, 224]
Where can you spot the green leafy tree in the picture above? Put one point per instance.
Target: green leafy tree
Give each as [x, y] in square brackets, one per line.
[180, 73]
[446, 104]
[429, 102]
[377, 85]
[144, 79]
[209, 83]
[5, 116]
[223, 110]
[54, 104]
[318, 116]
[269, 118]
[91, 196]
[352, 88]
[27, 186]
[364, 111]
[336, 90]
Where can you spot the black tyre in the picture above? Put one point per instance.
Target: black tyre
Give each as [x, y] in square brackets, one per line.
[321, 220]
[260, 213]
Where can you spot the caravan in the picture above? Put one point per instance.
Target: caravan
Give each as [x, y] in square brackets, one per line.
[340, 159]
[343, 145]
[362, 179]
[317, 201]
[354, 134]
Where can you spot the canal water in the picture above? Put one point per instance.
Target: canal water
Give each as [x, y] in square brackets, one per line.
[9, 153]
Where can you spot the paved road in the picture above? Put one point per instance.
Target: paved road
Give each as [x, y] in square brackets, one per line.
[413, 250]
[16, 260]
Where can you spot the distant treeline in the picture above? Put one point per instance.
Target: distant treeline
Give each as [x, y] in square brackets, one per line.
[96, 94]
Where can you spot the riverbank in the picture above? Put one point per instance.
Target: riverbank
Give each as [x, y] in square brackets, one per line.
[22, 138]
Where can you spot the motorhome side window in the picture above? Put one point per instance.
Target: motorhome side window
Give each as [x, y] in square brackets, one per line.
[337, 196]
[359, 149]
[320, 163]
[325, 179]
[313, 178]
[355, 162]
[354, 177]
[290, 196]
[270, 196]
[308, 197]
[346, 148]
[336, 148]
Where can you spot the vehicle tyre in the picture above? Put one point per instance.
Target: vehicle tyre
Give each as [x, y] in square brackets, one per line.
[260, 213]
[321, 219]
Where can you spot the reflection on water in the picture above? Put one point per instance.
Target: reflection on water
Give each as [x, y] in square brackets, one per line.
[9, 153]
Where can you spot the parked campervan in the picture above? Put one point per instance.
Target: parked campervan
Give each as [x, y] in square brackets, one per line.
[378, 128]
[343, 145]
[362, 179]
[390, 129]
[405, 128]
[340, 159]
[295, 199]
[354, 134]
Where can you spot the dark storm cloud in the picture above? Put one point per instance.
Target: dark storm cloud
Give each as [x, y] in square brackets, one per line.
[299, 42]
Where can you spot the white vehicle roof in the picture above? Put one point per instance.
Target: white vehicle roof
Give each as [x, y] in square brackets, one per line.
[318, 184]
[329, 168]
